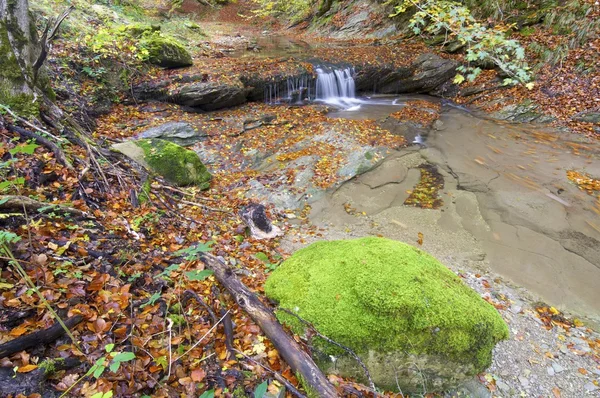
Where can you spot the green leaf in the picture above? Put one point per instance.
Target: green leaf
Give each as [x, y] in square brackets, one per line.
[458, 79]
[191, 253]
[27, 149]
[98, 372]
[262, 257]
[151, 300]
[261, 390]
[124, 356]
[109, 347]
[198, 275]
[208, 394]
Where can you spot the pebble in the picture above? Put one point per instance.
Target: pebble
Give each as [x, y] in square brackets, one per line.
[563, 349]
[590, 387]
[502, 385]
[550, 371]
[557, 368]
[596, 371]
[524, 381]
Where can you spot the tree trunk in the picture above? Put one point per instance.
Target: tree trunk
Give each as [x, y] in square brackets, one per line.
[19, 49]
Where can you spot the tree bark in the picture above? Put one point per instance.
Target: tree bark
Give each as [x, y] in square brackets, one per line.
[300, 362]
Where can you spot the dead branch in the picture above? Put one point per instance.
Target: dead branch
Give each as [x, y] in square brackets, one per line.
[48, 35]
[58, 153]
[290, 350]
[41, 337]
[19, 203]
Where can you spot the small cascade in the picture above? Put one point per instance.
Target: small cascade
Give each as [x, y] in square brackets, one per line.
[293, 90]
[336, 87]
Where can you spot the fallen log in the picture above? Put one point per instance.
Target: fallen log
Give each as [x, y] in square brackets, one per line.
[14, 384]
[41, 337]
[58, 153]
[300, 362]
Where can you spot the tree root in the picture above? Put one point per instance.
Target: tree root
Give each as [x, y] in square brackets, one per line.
[58, 153]
[21, 204]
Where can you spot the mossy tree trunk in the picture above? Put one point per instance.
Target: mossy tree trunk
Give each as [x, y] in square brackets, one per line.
[18, 52]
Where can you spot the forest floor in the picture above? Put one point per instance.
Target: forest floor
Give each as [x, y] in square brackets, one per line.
[120, 268]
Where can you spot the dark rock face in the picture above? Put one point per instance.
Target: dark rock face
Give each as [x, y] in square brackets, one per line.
[427, 74]
[209, 96]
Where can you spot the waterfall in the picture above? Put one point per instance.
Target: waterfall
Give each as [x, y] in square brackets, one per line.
[336, 87]
[333, 86]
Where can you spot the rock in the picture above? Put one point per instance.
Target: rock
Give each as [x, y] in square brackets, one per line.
[171, 161]
[524, 112]
[502, 386]
[180, 133]
[587, 117]
[209, 96]
[524, 381]
[590, 387]
[165, 51]
[405, 314]
[429, 72]
[557, 368]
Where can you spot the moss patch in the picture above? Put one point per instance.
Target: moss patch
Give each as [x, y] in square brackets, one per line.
[175, 163]
[165, 51]
[386, 296]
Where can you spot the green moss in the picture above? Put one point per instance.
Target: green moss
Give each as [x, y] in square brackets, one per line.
[49, 365]
[383, 295]
[144, 194]
[175, 163]
[165, 51]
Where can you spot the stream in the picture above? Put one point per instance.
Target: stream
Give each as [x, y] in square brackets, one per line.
[508, 205]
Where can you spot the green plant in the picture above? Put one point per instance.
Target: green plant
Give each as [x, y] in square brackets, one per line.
[452, 19]
[112, 361]
[265, 260]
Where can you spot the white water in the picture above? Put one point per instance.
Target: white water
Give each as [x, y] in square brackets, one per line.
[336, 87]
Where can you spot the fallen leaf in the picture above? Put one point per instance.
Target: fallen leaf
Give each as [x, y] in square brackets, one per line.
[26, 368]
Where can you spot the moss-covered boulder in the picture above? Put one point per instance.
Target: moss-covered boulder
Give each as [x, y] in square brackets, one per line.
[165, 51]
[409, 318]
[173, 162]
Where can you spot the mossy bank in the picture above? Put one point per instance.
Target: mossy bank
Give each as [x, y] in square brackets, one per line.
[393, 304]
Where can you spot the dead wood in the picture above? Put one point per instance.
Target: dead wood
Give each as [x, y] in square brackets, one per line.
[255, 217]
[48, 35]
[16, 203]
[300, 362]
[25, 384]
[58, 153]
[41, 337]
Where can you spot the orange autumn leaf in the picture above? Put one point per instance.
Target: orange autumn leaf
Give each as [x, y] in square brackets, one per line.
[26, 368]
[420, 239]
[198, 374]
[18, 331]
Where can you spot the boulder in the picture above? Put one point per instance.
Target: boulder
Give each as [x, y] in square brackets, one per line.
[165, 51]
[587, 117]
[209, 96]
[412, 321]
[428, 72]
[171, 161]
[180, 133]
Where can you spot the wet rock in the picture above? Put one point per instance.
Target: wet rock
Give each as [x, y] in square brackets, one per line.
[209, 96]
[180, 133]
[428, 72]
[524, 112]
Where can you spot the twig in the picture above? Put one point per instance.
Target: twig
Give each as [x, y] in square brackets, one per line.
[277, 375]
[343, 347]
[202, 338]
[33, 126]
[188, 294]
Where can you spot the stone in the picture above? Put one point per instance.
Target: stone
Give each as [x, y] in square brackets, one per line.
[524, 112]
[587, 117]
[171, 161]
[404, 313]
[181, 133]
[209, 96]
[550, 371]
[165, 51]
[590, 387]
[557, 368]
